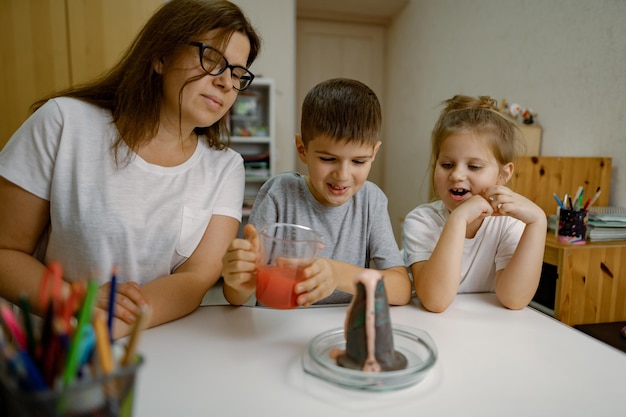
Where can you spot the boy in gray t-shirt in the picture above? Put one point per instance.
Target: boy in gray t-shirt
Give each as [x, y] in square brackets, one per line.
[339, 139]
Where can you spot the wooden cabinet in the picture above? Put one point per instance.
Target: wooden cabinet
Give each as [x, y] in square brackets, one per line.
[591, 284]
[34, 57]
[253, 133]
[47, 45]
[539, 177]
[101, 30]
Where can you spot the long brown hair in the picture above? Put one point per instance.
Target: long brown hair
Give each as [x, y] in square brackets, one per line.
[133, 91]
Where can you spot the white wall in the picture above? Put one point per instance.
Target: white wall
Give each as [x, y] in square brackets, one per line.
[566, 59]
[275, 20]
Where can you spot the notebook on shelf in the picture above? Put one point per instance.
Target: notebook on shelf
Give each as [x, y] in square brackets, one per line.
[607, 223]
[608, 214]
[604, 234]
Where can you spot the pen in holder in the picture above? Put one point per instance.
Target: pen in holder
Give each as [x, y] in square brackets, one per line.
[109, 395]
[70, 367]
[572, 227]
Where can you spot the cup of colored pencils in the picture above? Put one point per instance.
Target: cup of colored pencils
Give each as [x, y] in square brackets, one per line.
[68, 366]
[573, 216]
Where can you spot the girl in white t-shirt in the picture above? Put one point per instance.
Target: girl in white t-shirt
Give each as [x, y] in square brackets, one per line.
[480, 236]
[132, 170]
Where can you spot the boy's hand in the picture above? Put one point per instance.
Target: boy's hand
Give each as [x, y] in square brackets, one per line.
[239, 262]
[320, 282]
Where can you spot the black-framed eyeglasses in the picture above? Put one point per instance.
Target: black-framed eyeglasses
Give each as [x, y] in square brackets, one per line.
[214, 63]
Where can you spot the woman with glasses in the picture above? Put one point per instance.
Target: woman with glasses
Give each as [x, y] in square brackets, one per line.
[132, 172]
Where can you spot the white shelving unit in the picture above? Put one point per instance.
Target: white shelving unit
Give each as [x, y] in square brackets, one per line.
[253, 134]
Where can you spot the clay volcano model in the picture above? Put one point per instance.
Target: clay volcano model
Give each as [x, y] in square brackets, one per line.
[368, 332]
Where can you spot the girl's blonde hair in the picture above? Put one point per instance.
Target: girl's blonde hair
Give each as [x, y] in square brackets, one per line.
[479, 115]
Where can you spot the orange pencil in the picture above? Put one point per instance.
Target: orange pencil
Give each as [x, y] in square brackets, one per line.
[103, 344]
[593, 199]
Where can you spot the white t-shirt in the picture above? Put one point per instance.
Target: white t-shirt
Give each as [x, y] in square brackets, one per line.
[146, 219]
[487, 252]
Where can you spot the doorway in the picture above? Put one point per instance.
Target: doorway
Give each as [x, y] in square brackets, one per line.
[329, 49]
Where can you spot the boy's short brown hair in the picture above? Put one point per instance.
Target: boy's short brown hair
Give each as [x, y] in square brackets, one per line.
[343, 109]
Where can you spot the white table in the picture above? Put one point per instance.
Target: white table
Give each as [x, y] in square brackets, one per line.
[237, 361]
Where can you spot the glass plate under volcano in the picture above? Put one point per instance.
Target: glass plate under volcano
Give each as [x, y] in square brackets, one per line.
[416, 345]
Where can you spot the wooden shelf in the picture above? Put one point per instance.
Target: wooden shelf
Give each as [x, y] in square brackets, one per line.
[255, 149]
[591, 285]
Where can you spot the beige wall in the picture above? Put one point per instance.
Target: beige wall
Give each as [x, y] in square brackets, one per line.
[566, 59]
[275, 20]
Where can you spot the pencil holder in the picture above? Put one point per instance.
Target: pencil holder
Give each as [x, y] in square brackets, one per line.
[109, 395]
[572, 226]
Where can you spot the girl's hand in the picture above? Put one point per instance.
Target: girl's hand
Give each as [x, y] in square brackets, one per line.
[474, 208]
[320, 282]
[128, 300]
[506, 202]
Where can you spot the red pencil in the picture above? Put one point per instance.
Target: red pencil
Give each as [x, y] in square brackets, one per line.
[592, 199]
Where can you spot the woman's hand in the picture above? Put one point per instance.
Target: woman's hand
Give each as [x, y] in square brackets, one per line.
[128, 300]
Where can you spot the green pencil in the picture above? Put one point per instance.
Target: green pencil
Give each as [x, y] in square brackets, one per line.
[84, 317]
[28, 325]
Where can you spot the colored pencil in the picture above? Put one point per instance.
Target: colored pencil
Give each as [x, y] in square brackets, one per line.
[84, 317]
[140, 324]
[28, 326]
[112, 293]
[10, 321]
[593, 199]
[576, 197]
[103, 344]
[558, 200]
